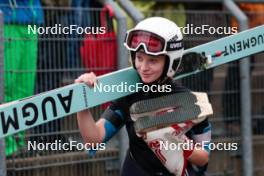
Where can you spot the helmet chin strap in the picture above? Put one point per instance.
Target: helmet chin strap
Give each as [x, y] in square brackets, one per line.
[163, 78]
[176, 67]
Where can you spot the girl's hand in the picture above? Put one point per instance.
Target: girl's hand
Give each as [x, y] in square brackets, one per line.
[88, 78]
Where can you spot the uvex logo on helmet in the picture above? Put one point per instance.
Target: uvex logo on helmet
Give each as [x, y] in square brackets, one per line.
[176, 45]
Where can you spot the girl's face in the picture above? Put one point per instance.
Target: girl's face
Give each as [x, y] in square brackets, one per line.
[149, 67]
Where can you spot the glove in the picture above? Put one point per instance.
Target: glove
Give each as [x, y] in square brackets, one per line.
[166, 144]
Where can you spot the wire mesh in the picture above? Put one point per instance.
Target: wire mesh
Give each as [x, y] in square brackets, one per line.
[48, 59]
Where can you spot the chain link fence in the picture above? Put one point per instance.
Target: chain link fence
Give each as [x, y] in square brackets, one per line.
[44, 54]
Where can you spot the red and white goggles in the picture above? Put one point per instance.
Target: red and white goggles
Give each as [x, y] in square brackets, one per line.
[152, 43]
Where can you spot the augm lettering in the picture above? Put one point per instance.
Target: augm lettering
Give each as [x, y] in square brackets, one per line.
[244, 44]
[32, 112]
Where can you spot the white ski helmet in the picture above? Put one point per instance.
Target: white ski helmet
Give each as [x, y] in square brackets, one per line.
[157, 35]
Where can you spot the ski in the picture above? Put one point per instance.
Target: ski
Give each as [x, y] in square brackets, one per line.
[41, 108]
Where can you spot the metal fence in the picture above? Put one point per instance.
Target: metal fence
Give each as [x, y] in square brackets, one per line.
[35, 63]
[58, 59]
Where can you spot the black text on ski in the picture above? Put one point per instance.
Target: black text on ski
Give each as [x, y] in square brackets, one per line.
[244, 44]
[31, 112]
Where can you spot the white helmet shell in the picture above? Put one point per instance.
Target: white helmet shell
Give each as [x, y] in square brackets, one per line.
[169, 31]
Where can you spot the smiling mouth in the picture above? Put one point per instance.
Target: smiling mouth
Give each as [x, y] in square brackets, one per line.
[146, 75]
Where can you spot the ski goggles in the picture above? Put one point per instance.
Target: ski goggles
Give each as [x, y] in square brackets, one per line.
[152, 43]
